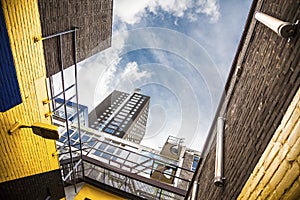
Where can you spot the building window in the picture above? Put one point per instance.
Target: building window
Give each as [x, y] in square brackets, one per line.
[120, 116]
[108, 130]
[115, 123]
[112, 126]
[196, 159]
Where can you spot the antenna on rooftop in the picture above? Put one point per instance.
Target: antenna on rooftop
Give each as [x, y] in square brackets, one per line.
[137, 90]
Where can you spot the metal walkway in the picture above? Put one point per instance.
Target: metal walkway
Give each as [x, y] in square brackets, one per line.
[103, 160]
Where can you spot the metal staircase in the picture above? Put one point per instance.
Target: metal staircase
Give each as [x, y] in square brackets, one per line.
[108, 162]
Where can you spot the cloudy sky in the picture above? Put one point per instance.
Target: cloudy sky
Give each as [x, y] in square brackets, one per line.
[178, 52]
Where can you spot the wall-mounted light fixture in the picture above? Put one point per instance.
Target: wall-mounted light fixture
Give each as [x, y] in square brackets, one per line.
[282, 28]
[44, 130]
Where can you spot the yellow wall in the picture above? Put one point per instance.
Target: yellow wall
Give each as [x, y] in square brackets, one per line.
[91, 192]
[23, 153]
[277, 174]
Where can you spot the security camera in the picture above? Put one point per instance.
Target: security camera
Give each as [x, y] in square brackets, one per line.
[283, 29]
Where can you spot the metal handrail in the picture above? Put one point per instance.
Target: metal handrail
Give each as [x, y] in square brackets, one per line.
[136, 164]
[52, 98]
[128, 175]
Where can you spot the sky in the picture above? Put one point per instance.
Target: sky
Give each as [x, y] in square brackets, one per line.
[177, 52]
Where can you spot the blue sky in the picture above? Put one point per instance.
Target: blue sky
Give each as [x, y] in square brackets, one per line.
[178, 52]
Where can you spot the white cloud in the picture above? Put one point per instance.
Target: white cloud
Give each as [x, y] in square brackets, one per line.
[192, 17]
[123, 79]
[132, 12]
[103, 73]
[106, 72]
[100, 70]
[176, 22]
[133, 73]
[209, 8]
[129, 11]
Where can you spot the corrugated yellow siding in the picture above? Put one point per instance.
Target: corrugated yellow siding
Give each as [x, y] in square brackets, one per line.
[277, 174]
[23, 153]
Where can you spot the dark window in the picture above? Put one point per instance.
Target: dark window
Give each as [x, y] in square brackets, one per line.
[195, 163]
[108, 130]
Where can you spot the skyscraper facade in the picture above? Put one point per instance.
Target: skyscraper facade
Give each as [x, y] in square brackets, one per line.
[123, 115]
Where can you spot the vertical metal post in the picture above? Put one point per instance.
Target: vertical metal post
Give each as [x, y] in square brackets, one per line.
[104, 176]
[160, 191]
[77, 101]
[125, 184]
[65, 108]
[52, 92]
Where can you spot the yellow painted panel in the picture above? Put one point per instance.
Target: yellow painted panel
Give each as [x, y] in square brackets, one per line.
[280, 176]
[91, 192]
[41, 95]
[23, 153]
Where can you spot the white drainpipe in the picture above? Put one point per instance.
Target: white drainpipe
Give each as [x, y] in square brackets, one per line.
[219, 153]
[194, 191]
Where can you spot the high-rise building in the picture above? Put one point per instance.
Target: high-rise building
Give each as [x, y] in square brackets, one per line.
[123, 115]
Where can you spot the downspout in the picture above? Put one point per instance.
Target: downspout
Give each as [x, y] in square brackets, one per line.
[233, 78]
[219, 177]
[194, 191]
[217, 131]
[220, 129]
[234, 75]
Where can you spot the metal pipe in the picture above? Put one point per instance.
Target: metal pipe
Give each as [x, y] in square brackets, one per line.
[58, 34]
[193, 180]
[37, 39]
[60, 45]
[219, 153]
[194, 191]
